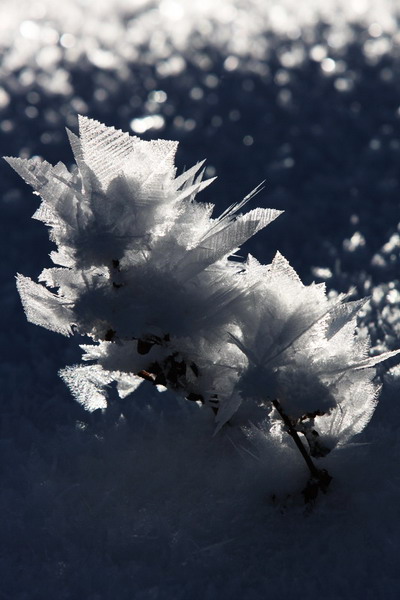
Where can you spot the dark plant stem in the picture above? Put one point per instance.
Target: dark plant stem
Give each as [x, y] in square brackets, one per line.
[320, 478]
[293, 433]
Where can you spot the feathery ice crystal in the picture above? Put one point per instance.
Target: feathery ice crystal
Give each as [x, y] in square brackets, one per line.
[145, 271]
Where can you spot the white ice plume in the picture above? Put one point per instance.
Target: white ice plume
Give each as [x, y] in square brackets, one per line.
[146, 271]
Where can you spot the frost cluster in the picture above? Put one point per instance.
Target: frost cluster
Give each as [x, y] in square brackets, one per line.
[147, 272]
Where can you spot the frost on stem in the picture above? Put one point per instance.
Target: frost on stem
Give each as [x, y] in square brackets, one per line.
[151, 277]
[141, 267]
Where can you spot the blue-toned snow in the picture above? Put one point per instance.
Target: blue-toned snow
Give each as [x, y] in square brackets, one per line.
[143, 503]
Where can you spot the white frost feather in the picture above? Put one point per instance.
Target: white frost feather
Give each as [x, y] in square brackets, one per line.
[148, 274]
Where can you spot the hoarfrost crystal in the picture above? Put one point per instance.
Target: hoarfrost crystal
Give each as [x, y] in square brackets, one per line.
[146, 271]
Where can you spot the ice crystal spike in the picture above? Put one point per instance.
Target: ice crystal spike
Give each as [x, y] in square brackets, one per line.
[148, 274]
[87, 384]
[44, 308]
[138, 258]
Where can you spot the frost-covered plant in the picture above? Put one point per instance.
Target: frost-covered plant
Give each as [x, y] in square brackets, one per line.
[144, 270]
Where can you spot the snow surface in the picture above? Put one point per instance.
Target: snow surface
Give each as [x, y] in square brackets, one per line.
[150, 504]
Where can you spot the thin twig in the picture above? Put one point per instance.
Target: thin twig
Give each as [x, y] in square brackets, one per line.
[320, 478]
[293, 433]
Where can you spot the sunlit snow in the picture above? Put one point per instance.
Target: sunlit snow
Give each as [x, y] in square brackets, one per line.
[143, 501]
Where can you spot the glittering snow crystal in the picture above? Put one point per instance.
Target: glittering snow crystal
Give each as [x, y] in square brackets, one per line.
[146, 271]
